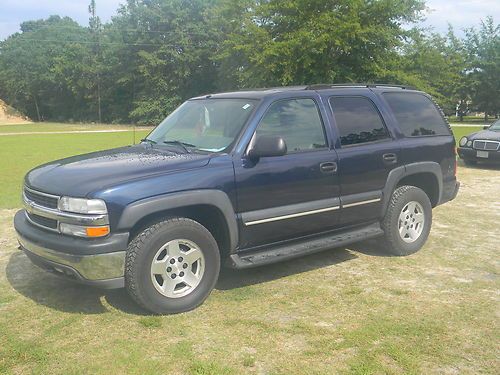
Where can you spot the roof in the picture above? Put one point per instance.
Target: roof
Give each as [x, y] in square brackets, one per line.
[260, 93]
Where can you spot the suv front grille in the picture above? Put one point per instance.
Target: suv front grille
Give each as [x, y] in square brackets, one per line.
[42, 221]
[486, 145]
[42, 199]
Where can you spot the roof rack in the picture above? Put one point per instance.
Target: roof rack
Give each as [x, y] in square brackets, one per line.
[327, 86]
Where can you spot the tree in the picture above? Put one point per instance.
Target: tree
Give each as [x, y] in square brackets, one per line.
[95, 65]
[436, 64]
[287, 42]
[483, 46]
[41, 69]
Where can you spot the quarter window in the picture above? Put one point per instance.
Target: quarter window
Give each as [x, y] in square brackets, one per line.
[297, 121]
[358, 121]
[416, 114]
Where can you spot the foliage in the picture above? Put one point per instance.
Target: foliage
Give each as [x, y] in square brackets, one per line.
[484, 53]
[156, 53]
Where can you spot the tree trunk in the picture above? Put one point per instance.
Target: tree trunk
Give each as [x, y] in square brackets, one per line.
[99, 99]
[485, 116]
[37, 109]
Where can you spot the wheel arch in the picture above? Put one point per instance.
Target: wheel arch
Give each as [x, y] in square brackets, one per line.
[211, 208]
[424, 175]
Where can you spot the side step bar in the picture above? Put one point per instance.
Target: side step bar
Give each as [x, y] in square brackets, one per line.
[292, 250]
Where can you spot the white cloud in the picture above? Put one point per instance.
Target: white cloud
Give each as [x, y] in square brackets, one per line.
[461, 14]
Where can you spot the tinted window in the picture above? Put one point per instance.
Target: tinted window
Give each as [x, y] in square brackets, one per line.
[416, 114]
[358, 121]
[297, 121]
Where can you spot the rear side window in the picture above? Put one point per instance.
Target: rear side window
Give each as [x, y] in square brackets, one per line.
[416, 114]
[358, 121]
[297, 121]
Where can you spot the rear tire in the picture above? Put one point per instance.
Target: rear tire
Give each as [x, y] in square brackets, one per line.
[172, 266]
[407, 222]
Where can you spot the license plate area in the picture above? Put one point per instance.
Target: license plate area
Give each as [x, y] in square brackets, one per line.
[482, 154]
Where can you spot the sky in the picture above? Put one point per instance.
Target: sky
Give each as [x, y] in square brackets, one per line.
[460, 13]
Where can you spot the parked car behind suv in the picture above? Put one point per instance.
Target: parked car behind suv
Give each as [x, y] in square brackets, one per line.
[481, 146]
[242, 179]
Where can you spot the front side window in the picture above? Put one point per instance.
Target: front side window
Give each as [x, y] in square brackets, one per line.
[416, 114]
[297, 121]
[204, 124]
[358, 121]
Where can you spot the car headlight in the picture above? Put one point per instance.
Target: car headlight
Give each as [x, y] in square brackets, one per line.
[82, 206]
[469, 143]
[463, 141]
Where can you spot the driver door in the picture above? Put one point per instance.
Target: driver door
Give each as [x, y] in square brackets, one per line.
[293, 195]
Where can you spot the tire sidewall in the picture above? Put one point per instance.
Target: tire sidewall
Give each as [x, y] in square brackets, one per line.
[185, 229]
[411, 194]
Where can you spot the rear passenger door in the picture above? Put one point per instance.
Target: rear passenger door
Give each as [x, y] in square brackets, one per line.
[367, 152]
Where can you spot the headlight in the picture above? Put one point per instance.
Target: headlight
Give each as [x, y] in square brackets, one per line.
[82, 206]
[469, 143]
[82, 231]
[463, 141]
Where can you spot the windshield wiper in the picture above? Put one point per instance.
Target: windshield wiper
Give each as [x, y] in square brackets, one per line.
[148, 140]
[184, 145]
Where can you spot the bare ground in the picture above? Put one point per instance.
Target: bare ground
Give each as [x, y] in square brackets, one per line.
[345, 310]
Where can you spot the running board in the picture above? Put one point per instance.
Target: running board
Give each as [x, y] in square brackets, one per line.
[292, 250]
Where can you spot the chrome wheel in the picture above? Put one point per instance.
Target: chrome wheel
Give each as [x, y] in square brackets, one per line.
[411, 222]
[177, 268]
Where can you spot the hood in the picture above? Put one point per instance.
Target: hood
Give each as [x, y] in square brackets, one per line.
[489, 135]
[80, 175]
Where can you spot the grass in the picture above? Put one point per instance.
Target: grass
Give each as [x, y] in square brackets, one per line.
[471, 120]
[58, 127]
[460, 131]
[18, 154]
[347, 310]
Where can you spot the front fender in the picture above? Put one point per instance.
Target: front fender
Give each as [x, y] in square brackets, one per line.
[134, 212]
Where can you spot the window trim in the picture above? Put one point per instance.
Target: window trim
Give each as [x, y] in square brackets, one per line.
[288, 152]
[389, 137]
[438, 109]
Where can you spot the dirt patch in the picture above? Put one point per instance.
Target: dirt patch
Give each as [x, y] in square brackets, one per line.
[9, 115]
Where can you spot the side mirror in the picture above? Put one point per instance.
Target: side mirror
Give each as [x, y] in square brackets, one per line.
[267, 145]
[486, 127]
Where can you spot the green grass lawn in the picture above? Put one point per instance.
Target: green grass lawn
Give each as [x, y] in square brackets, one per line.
[471, 120]
[19, 154]
[347, 310]
[58, 127]
[460, 131]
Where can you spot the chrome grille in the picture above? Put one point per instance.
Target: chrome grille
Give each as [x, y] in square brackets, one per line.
[42, 199]
[42, 221]
[486, 145]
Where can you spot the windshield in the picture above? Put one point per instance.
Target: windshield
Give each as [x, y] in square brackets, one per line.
[206, 124]
[495, 126]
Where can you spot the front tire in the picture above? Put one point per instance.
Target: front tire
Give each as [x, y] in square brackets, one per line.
[172, 266]
[407, 222]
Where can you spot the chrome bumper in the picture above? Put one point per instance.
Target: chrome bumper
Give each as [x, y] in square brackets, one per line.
[89, 267]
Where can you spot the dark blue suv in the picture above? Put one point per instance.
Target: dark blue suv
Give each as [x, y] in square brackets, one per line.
[242, 179]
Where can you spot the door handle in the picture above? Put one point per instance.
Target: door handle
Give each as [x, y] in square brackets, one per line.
[328, 167]
[390, 158]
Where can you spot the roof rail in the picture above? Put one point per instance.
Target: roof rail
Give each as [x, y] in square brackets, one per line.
[327, 86]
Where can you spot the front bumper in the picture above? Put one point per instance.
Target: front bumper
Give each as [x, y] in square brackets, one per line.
[467, 153]
[98, 262]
